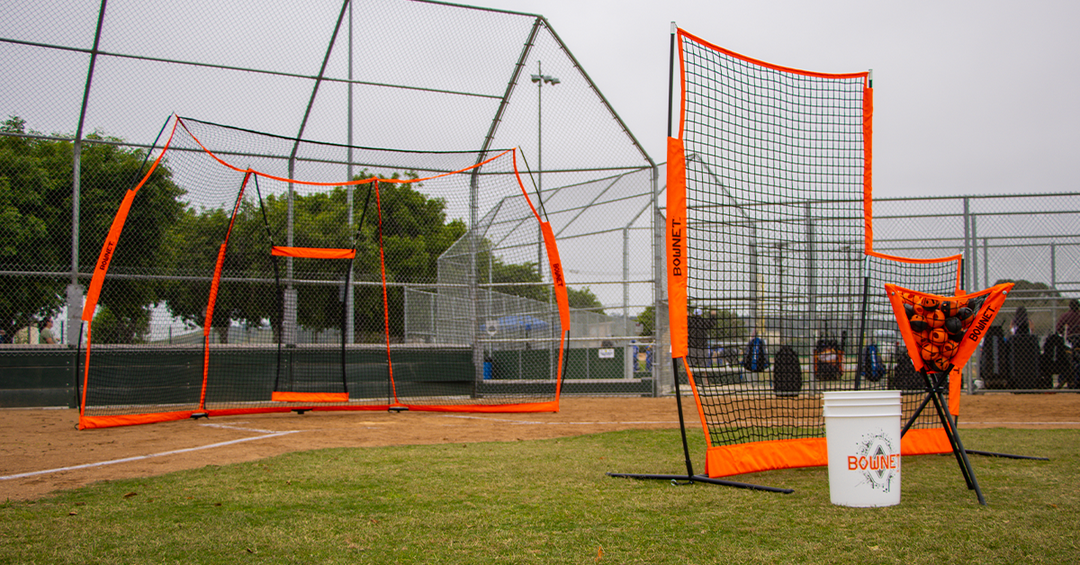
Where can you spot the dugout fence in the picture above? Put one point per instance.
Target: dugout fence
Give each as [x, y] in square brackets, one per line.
[466, 85]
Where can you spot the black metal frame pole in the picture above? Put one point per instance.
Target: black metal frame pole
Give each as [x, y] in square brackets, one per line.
[860, 364]
[702, 479]
[690, 478]
[951, 432]
[682, 421]
[1005, 455]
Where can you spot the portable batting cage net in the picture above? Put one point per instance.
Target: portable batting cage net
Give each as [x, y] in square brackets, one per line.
[283, 286]
[770, 254]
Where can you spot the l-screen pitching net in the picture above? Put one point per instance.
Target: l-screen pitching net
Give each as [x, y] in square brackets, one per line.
[775, 290]
[301, 276]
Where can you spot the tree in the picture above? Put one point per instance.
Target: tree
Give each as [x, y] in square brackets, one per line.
[728, 325]
[1041, 300]
[108, 172]
[28, 220]
[526, 274]
[1034, 293]
[584, 299]
[35, 222]
[647, 320]
[193, 246]
[415, 233]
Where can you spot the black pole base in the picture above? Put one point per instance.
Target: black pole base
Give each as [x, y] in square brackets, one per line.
[1006, 455]
[702, 479]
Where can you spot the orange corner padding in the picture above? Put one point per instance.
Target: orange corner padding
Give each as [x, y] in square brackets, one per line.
[313, 252]
[676, 244]
[91, 422]
[727, 460]
[561, 296]
[925, 441]
[277, 396]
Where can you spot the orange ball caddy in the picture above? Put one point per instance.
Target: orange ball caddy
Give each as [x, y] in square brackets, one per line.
[941, 333]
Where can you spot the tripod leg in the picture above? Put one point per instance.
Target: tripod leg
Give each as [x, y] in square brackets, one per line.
[957, 445]
[915, 415]
[950, 432]
[682, 423]
[966, 462]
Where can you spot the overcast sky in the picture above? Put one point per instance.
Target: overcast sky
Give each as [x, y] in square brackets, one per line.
[971, 97]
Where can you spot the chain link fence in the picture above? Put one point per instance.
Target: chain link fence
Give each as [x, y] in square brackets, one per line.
[96, 83]
[1029, 239]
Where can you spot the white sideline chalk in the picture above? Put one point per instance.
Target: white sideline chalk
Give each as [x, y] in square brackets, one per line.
[141, 457]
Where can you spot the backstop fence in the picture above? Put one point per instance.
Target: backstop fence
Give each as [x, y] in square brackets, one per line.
[97, 84]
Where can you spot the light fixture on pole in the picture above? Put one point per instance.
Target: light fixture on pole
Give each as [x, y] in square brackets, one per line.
[540, 78]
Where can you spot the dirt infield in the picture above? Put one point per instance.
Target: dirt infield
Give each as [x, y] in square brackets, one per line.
[41, 451]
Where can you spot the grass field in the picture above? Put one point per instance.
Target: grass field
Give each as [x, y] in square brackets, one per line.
[549, 501]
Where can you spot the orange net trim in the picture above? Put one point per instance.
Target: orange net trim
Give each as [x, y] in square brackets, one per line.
[312, 252]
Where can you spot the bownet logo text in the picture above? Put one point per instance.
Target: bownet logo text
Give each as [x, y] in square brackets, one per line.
[873, 462]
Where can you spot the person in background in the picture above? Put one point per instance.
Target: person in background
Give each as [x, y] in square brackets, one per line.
[1020, 325]
[46, 336]
[698, 328]
[1068, 325]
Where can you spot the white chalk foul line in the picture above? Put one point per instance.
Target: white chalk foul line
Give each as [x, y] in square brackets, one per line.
[141, 457]
[238, 428]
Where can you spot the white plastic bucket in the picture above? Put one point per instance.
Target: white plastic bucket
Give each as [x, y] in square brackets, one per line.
[862, 432]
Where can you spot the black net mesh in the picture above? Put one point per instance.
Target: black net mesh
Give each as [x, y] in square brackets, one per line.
[783, 295]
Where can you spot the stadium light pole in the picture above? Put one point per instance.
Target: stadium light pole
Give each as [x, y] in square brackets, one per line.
[540, 78]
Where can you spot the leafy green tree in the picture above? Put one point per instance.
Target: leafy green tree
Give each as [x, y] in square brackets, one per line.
[584, 299]
[1041, 300]
[35, 208]
[108, 172]
[28, 222]
[526, 274]
[110, 329]
[647, 320]
[193, 244]
[1034, 293]
[727, 324]
[531, 282]
[415, 233]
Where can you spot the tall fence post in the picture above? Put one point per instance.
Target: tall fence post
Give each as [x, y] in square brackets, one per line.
[661, 368]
